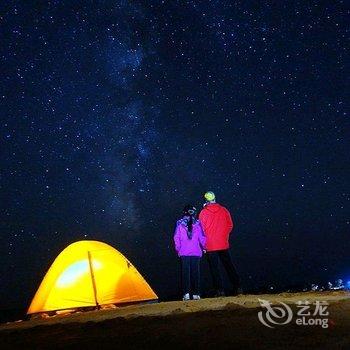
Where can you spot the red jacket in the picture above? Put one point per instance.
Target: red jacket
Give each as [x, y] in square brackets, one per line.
[217, 225]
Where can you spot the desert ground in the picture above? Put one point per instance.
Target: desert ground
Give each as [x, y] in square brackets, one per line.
[228, 323]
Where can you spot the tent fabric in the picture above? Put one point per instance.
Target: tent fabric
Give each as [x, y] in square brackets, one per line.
[90, 273]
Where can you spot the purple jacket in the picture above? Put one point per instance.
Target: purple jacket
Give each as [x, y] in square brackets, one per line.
[189, 247]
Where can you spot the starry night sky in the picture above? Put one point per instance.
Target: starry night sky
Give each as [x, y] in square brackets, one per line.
[116, 114]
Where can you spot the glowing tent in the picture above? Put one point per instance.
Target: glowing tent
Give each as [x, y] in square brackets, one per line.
[88, 274]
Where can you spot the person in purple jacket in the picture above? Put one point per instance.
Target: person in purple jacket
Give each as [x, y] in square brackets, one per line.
[189, 244]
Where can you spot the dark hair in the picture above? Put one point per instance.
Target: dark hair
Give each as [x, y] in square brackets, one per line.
[190, 211]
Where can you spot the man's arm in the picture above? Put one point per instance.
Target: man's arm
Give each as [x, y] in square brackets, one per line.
[229, 221]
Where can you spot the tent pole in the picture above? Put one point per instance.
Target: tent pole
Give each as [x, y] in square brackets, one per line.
[93, 280]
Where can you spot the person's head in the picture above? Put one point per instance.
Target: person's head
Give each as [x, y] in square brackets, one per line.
[209, 197]
[190, 212]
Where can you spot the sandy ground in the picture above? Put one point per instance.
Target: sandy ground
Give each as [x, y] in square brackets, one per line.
[229, 323]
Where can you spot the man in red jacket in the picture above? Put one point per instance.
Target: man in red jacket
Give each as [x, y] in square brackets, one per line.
[217, 225]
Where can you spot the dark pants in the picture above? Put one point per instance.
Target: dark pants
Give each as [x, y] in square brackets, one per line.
[190, 274]
[225, 258]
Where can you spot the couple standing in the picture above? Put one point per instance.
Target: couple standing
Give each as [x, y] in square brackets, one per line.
[209, 234]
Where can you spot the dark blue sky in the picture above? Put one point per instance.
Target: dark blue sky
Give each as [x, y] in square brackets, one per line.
[115, 114]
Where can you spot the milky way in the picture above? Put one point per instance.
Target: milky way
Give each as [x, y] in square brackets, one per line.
[114, 115]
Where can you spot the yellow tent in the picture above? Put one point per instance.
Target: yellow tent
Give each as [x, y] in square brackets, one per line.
[90, 273]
